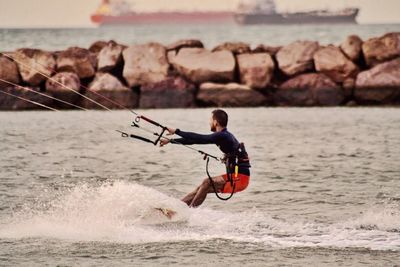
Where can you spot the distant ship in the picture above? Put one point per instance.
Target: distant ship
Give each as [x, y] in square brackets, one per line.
[264, 12]
[120, 12]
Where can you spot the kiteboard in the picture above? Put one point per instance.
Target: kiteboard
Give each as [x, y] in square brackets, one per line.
[168, 213]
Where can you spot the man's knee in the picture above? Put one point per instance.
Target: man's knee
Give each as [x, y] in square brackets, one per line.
[206, 182]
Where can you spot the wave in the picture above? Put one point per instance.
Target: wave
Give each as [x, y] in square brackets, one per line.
[125, 212]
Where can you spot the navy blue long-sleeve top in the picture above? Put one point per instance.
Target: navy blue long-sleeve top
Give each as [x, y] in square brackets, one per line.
[226, 142]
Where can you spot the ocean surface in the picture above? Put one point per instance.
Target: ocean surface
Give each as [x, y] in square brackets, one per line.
[211, 35]
[324, 191]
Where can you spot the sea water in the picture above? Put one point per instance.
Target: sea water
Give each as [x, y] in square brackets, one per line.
[210, 34]
[324, 190]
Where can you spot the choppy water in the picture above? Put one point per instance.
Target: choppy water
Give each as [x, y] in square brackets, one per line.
[211, 35]
[324, 190]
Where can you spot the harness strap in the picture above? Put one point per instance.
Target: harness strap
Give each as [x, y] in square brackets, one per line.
[213, 185]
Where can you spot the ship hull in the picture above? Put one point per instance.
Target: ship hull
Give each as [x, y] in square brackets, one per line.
[251, 19]
[165, 18]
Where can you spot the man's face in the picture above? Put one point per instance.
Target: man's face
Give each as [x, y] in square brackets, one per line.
[213, 124]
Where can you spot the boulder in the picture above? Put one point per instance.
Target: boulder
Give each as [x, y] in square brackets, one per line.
[78, 60]
[171, 56]
[109, 57]
[173, 92]
[200, 65]
[229, 95]
[311, 89]
[333, 63]
[381, 84]
[8, 72]
[378, 50]
[96, 47]
[34, 65]
[352, 47]
[145, 64]
[62, 86]
[108, 86]
[272, 50]
[348, 87]
[297, 57]
[351, 103]
[8, 102]
[173, 49]
[235, 48]
[190, 43]
[256, 70]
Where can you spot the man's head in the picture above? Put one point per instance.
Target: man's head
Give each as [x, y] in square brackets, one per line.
[218, 118]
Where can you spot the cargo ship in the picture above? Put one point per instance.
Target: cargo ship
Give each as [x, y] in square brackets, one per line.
[120, 12]
[264, 12]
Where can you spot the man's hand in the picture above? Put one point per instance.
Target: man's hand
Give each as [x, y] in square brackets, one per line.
[171, 131]
[163, 142]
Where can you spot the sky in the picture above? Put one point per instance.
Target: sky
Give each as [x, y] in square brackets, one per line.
[76, 13]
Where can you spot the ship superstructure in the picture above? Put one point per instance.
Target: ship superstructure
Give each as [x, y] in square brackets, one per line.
[264, 12]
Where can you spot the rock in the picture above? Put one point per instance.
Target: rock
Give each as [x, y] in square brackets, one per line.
[348, 87]
[96, 47]
[297, 57]
[8, 72]
[109, 87]
[190, 43]
[272, 50]
[173, 92]
[381, 84]
[222, 86]
[109, 57]
[351, 103]
[171, 56]
[309, 90]
[378, 50]
[352, 47]
[78, 60]
[145, 64]
[62, 86]
[333, 63]
[200, 65]
[33, 64]
[256, 70]
[235, 48]
[12, 103]
[229, 95]
[173, 49]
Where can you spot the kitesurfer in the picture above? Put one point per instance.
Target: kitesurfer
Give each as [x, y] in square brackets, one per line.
[238, 173]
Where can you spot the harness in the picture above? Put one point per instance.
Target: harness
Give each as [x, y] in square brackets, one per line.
[231, 161]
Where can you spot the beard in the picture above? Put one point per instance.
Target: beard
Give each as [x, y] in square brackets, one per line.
[213, 129]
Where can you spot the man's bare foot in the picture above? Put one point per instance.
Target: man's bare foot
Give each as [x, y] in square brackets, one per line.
[167, 212]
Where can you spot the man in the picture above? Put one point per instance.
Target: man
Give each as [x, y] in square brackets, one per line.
[229, 145]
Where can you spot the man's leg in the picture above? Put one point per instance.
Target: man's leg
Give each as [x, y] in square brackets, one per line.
[189, 197]
[205, 188]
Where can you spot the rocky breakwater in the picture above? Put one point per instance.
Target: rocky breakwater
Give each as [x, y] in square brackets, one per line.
[186, 74]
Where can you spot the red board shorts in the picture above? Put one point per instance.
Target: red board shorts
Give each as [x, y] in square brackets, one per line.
[241, 182]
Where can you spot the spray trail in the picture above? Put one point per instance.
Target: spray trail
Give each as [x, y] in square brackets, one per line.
[124, 212]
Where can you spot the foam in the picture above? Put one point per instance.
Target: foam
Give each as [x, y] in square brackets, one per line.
[124, 212]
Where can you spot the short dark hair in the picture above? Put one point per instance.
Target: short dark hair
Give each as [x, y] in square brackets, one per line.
[221, 117]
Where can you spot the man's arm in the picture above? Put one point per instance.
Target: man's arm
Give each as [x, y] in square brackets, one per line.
[189, 138]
